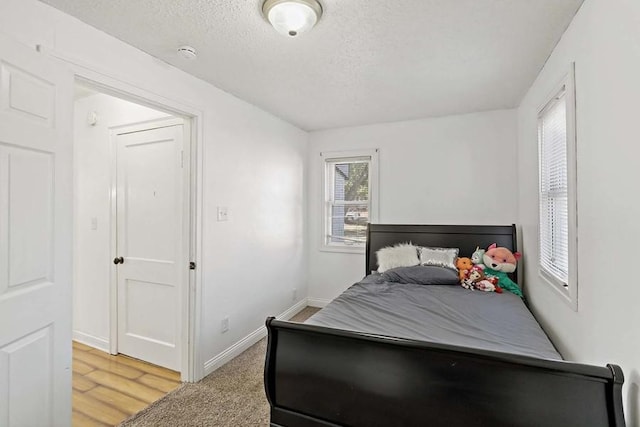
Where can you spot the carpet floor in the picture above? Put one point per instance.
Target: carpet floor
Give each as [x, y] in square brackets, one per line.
[231, 396]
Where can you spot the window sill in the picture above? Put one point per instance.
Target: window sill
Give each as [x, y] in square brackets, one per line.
[342, 249]
[560, 290]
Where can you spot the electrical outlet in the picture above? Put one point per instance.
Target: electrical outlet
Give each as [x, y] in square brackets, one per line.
[224, 326]
[294, 294]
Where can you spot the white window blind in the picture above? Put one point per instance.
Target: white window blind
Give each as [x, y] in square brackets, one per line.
[554, 191]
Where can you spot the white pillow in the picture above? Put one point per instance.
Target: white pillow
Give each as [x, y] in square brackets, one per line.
[441, 257]
[400, 255]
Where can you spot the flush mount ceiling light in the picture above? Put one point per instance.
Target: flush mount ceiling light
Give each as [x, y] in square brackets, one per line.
[292, 17]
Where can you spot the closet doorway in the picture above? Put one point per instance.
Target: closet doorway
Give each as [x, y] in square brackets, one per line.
[132, 228]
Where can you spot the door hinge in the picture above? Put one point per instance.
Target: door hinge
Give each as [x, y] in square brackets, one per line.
[192, 265]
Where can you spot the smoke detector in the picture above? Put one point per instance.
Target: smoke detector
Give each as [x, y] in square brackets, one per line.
[187, 52]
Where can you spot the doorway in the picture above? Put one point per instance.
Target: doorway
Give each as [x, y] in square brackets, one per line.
[131, 243]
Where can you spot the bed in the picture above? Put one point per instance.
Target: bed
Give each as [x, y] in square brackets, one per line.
[362, 361]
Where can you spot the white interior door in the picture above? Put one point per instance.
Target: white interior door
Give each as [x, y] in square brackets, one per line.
[35, 238]
[149, 244]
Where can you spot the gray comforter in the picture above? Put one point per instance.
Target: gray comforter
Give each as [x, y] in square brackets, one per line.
[442, 314]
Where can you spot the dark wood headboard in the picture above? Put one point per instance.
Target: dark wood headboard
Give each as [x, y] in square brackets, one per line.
[464, 237]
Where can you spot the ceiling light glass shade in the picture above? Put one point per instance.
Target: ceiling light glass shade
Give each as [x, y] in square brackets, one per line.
[292, 17]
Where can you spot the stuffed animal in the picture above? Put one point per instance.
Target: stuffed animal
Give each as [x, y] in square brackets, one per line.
[488, 284]
[500, 261]
[477, 255]
[475, 275]
[467, 279]
[477, 280]
[467, 283]
[464, 266]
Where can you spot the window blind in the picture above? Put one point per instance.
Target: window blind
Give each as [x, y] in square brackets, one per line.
[554, 192]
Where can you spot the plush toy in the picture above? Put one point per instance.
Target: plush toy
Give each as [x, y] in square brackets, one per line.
[477, 280]
[464, 266]
[475, 276]
[498, 262]
[488, 284]
[467, 283]
[477, 255]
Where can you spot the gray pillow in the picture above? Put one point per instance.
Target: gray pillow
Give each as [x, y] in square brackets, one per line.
[441, 257]
[422, 275]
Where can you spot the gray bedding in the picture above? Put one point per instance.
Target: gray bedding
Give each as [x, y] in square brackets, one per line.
[446, 314]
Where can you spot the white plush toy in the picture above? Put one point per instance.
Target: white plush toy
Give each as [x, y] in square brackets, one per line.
[477, 256]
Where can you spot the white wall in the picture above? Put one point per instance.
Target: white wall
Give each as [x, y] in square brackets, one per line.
[254, 163]
[92, 186]
[604, 42]
[449, 170]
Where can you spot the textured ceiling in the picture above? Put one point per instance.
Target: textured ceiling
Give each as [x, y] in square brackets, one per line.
[367, 61]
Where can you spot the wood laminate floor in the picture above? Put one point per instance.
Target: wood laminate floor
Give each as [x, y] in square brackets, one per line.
[108, 389]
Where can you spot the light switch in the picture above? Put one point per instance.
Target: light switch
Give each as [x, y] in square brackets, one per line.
[223, 213]
[94, 223]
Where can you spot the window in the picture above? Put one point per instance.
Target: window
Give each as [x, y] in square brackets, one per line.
[349, 202]
[557, 227]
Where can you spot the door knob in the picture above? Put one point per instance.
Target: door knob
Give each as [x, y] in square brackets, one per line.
[118, 260]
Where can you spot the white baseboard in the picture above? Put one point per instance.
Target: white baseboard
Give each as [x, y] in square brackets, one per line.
[317, 302]
[236, 349]
[91, 341]
[295, 309]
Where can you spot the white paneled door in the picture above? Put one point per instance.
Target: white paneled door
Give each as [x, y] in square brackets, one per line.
[35, 238]
[150, 265]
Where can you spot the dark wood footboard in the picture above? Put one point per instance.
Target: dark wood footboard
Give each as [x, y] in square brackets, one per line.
[317, 376]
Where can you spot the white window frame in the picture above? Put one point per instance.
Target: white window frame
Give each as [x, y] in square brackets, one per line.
[569, 291]
[333, 156]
